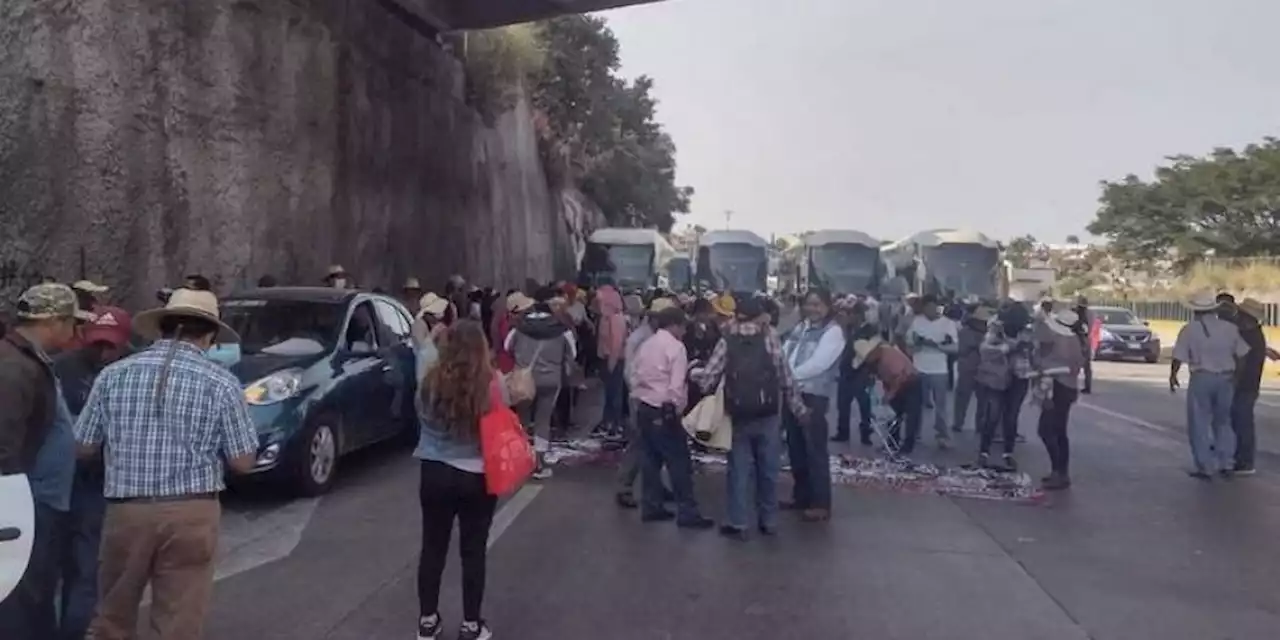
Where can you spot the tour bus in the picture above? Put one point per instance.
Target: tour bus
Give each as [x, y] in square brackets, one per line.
[842, 261]
[680, 273]
[937, 261]
[732, 260]
[630, 259]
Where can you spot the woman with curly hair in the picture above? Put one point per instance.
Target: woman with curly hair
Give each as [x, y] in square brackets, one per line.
[455, 392]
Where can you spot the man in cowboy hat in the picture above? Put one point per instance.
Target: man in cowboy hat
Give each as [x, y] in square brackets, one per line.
[337, 278]
[1213, 349]
[411, 293]
[167, 422]
[87, 292]
[35, 439]
[1247, 317]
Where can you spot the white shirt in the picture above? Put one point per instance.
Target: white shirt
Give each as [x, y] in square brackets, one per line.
[931, 359]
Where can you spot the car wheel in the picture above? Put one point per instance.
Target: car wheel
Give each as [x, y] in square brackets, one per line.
[316, 464]
[1152, 358]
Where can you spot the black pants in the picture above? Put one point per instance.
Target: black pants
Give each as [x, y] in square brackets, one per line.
[1053, 427]
[664, 443]
[908, 409]
[999, 408]
[853, 386]
[447, 493]
[1243, 423]
[29, 612]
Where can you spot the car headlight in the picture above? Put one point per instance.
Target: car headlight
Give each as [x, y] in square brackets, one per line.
[277, 387]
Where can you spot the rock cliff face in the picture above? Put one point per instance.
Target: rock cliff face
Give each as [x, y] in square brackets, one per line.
[141, 140]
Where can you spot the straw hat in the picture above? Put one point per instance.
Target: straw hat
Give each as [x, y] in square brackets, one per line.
[412, 284]
[1254, 308]
[89, 286]
[518, 301]
[658, 305]
[863, 348]
[336, 271]
[1062, 322]
[432, 304]
[725, 305]
[1203, 300]
[187, 303]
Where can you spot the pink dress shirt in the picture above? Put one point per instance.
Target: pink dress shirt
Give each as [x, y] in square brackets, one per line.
[659, 373]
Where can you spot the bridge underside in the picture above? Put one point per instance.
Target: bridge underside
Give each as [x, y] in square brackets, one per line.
[485, 14]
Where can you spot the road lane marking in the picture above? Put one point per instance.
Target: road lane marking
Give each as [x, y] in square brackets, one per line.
[1125, 417]
[511, 510]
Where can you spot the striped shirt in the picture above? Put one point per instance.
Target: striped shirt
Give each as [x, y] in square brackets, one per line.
[171, 444]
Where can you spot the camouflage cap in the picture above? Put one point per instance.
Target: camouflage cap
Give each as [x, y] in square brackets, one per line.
[50, 301]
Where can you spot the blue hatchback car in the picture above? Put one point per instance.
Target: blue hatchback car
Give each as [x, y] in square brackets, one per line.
[325, 372]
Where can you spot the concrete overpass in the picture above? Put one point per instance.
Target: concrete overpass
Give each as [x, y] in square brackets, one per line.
[448, 15]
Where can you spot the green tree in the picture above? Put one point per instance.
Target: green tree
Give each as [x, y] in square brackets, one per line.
[1073, 239]
[1227, 202]
[600, 131]
[1019, 251]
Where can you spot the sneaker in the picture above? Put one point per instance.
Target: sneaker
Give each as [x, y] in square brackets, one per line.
[1056, 483]
[733, 533]
[984, 461]
[429, 627]
[1199, 474]
[767, 530]
[1242, 470]
[543, 472]
[626, 501]
[474, 631]
[696, 523]
[1009, 463]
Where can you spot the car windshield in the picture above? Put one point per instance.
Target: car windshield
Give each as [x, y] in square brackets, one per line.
[1116, 316]
[274, 325]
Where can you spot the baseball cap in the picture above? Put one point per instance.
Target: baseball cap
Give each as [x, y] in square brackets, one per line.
[50, 301]
[112, 326]
[89, 286]
[750, 309]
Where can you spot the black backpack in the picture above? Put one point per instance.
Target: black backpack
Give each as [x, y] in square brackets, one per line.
[751, 385]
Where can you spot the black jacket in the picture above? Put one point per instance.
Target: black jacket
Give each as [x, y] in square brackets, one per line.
[28, 403]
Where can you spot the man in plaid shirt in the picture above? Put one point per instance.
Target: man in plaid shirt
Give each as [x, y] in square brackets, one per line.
[757, 443]
[168, 421]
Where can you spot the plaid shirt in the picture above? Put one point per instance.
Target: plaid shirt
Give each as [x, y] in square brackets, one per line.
[709, 376]
[168, 445]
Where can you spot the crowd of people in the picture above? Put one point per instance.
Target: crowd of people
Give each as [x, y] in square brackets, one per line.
[127, 449]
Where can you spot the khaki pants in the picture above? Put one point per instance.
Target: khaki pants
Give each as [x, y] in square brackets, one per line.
[172, 546]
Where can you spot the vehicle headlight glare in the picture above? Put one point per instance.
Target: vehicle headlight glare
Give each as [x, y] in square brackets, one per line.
[277, 387]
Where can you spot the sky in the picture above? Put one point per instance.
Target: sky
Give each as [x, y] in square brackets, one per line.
[893, 116]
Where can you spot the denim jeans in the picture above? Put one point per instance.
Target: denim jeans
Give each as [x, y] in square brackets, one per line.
[665, 444]
[1242, 423]
[807, 449]
[80, 555]
[615, 394]
[1053, 428]
[853, 387]
[755, 459]
[935, 390]
[1213, 443]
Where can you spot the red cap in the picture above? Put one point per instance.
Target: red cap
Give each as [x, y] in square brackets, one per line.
[111, 325]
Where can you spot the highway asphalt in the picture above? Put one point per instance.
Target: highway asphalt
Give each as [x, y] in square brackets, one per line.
[1134, 551]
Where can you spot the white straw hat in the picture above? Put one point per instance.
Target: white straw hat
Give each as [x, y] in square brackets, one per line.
[187, 303]
[1203, 300]
[1063, 322]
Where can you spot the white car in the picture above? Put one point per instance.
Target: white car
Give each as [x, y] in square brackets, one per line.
[17, 530]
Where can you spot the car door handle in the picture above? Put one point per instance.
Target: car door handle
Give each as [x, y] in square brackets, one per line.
[9, 534]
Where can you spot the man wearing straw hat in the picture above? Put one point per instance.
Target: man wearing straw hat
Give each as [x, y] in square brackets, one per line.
[1212, 348]
[167, 421]
[1247, 316]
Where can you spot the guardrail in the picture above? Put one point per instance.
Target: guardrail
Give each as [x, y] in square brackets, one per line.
[1176, 310]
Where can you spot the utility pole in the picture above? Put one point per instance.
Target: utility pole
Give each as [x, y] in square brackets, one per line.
[728, 216]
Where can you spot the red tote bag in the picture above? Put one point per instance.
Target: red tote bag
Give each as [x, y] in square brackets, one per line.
[508, 458]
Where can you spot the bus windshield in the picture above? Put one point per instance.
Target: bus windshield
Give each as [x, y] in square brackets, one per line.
[962, 269]
[627, 266]
[846, 268]
[733, 267]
